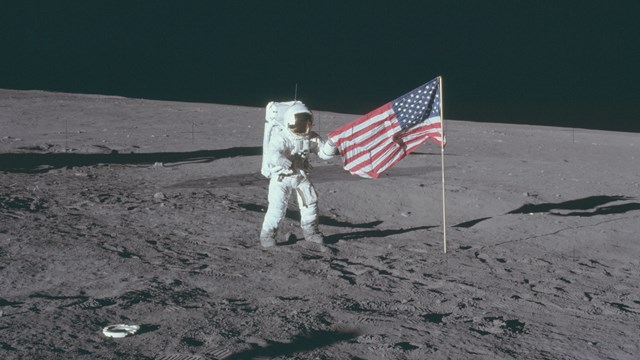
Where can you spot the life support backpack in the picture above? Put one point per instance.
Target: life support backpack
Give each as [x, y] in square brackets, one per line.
[274, 123]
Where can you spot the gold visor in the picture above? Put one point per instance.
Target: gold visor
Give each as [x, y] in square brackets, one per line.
[302, 124]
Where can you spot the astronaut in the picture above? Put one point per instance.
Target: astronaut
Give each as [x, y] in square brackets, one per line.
[287, 158]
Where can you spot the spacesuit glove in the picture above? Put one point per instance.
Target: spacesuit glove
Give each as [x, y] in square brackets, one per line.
[283, 162]
[329, 148]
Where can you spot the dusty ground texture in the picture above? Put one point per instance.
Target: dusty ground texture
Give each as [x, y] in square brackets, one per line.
[125, 211]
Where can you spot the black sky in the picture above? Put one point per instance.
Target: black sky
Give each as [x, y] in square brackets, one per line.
[565, 63]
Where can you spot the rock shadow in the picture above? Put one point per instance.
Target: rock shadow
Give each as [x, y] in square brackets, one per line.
[332, 239]
[34, 163]
[300, 343]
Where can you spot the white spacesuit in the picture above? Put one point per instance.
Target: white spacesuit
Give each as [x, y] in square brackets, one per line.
[287, 161]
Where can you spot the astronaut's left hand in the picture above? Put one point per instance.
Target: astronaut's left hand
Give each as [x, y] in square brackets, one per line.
[283, 162]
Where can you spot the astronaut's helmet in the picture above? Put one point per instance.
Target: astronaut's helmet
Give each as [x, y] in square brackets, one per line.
[299, 119]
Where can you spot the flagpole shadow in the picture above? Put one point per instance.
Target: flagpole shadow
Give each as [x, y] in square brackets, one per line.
[585, 207]
[584, 204]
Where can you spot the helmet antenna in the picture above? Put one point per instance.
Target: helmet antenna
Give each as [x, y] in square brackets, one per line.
[295, 93]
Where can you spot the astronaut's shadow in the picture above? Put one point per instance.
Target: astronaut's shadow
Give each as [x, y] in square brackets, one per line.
[324, 220]
[332, 239]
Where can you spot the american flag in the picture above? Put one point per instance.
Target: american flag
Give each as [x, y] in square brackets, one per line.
[378, 140]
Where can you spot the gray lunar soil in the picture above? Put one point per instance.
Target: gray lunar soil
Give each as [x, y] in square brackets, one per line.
[139, 212]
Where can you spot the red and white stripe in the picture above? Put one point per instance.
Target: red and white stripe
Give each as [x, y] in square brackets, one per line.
[374, 142]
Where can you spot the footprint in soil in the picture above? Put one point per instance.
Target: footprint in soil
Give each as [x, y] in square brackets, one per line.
[435, 318]
[496, 325]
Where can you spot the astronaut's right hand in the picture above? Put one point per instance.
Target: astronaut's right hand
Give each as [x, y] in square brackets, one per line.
[330, 148]
[283, 162]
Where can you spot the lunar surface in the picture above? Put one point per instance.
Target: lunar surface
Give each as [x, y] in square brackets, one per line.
[146, 214]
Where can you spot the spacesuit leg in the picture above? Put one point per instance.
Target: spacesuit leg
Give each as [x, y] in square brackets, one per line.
[279, 193]
[308, 204]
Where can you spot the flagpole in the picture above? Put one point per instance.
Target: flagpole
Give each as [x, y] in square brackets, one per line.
[444, 208]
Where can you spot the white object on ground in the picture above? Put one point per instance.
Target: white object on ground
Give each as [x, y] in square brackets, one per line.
[120, 330]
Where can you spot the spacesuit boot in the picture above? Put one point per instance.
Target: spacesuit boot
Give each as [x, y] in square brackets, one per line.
[268, 238]
[314, 237]
[312, 234]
